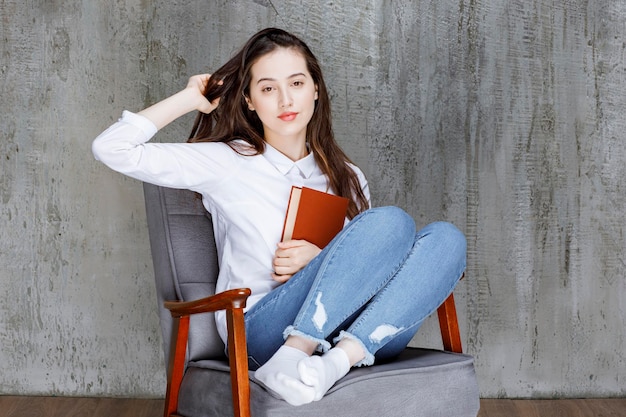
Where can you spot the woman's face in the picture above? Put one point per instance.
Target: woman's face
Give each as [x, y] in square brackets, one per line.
[283, 94]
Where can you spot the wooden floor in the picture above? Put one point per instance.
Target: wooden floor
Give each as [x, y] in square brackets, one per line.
[553, 408]
[109, 407]
[78, 407]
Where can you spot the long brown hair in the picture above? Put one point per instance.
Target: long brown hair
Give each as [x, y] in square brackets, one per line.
[233, 119]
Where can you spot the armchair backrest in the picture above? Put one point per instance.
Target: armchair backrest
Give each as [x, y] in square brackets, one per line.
[185, 263]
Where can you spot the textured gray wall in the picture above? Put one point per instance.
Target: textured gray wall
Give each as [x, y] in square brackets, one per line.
[505, 117]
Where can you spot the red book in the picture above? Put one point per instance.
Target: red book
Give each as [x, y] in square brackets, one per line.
[314, 216]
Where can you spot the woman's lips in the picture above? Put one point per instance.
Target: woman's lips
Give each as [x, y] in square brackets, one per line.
[287, 116]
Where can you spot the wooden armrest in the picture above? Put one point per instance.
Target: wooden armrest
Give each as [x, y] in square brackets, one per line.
[449, 325]
[233, 301]
[226, 300]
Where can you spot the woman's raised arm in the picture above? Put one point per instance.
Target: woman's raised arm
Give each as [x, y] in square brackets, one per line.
[189, 99]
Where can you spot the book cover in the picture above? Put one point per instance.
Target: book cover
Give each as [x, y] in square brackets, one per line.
[314, 216]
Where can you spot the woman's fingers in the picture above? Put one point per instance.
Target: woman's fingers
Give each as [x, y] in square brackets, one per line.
[199, 84]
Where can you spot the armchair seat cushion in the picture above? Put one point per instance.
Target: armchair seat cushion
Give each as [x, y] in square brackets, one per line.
[421, 382]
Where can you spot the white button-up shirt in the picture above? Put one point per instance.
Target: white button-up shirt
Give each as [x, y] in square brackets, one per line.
[246, 194]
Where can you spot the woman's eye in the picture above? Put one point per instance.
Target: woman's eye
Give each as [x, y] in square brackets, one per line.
[267, 89]
[298, 83]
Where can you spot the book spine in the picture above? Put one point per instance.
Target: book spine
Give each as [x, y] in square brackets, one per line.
[292, 211]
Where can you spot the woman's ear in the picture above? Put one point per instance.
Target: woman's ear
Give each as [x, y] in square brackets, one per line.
[248, 102]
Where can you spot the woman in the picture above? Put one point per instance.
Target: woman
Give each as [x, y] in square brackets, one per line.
[264, 125]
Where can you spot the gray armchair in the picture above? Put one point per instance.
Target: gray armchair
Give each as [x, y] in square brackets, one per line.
[202, 382]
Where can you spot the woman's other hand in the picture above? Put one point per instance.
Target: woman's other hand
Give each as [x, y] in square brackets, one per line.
[292, 256]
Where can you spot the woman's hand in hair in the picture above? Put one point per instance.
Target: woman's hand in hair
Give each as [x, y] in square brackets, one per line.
[197, 85]
[292, 256]
[187, 100]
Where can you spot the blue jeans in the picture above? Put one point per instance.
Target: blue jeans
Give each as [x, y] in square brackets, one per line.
[375, 282]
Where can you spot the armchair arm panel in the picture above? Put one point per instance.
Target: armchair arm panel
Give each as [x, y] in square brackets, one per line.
[449, 324]
[226, 300]
[233, 301]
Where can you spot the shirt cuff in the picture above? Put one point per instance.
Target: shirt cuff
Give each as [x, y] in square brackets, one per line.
[140, 122]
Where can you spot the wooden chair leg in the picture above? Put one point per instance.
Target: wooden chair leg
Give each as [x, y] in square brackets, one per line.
[180, 332]
[449, 325]
[238, 359]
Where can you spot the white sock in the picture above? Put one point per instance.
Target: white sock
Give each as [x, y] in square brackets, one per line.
[280, 376]
[321, 372]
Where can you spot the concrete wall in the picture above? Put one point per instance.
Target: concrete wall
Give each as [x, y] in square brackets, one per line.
[505, 117]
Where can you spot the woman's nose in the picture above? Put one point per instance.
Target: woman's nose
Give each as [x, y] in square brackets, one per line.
[285, 99]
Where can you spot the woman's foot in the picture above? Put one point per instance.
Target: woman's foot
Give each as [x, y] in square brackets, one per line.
[281, 378]
[322, 372]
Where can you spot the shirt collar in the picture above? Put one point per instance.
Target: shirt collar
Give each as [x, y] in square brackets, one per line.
[283, 164]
